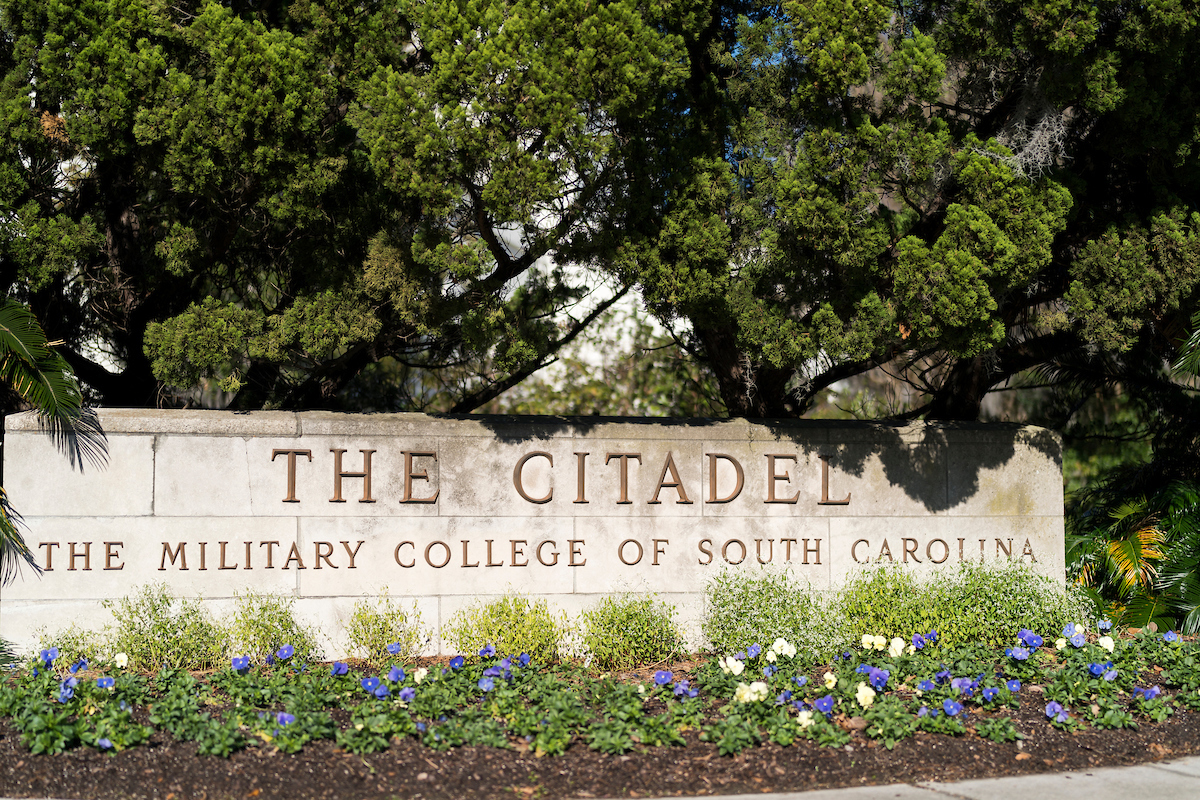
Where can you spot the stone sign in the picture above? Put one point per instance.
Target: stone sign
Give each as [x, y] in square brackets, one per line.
[331, 507]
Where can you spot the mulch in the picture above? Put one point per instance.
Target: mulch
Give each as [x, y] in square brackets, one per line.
[169, 770]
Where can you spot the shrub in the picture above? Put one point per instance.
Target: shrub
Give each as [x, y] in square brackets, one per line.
[759, 605]
[512, 624]
[156, 629]
[263, 623]
[630, 630]
[74, 643]
[974, 603]
[375, 624]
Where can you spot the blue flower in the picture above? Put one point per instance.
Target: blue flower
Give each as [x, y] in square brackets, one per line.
[1147, 694]
[800, 681]
[487, 652]
[1104, 625]
[1018, 653]
[863, 669]
[270, 659]
[943, 676]
[923, 711]
[1069, 631]
[878, 678]
[989, 693]
[1170, 636]
[1079, 640]
[285, 652]
[105, 683]
[663, 677]
[1111, 675]
[784, 697]
[486, 684]
[506, 662]
[104, 744]
[753, 650]
[926, 685]
[240, 664]
[931, 637]
[456, 663]
[1056, 712]
[951, 707]
[49, 655]
[740, 656]
[1029, 638]
[396, 675]
[768, 671]
[962, 684]
[339, 668]
[918, 641]
[524, 659]
[824, 704]
[284, 718]
[381, 691]
[407, 694]
[393, 648]
[78, 665]
[684, 688]
[493, 672]
[1013, 685]
[369, 684]
[1096, 669]
[421, 727]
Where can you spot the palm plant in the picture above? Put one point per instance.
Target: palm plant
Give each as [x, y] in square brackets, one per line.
[43, 381]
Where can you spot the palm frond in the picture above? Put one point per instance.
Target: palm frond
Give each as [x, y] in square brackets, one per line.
[13, 550]
[1189, 355]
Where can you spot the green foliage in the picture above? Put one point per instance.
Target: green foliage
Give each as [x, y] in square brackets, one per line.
[156, 630]
[743, 607]
[998, 729]
[981, 603]
[378, 622]
[74, 643]
[630, 630]
[511, 624]
[262, 623]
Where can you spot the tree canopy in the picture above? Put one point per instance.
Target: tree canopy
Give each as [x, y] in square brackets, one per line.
[416, 204]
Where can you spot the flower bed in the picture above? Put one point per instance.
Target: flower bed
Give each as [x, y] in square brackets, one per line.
[888, 689]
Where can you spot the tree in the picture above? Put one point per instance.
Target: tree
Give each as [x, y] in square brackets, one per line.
[41, 379]
[964, 191]
[269, 197]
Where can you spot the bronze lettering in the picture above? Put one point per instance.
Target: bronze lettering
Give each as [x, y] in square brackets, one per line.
[223, 566]
[1007, 550]
[825, 501]
[579, 477]
[815, 551]
[929, 551]
[770, 551]
[352, 553]
[885, 550]
[658, 550]
[623, 458]
[86, 555]
[706, 551]
[621, 552]
[409, 565]
[203, 545]
[294, 555]
[712, 478]
[291, 470]
[247, 555]
[854, 550]
[960, 549]
[270, 553]
[489, 563]
[50, 553]
[338, 474]
[787, 556]
[1028, 551]
[572, 552]
[725, 551]
[518, 552]
[676, 483]
[520, 486]
[904, 544]
[110, 554]
[179, 553]
[465, 544]
[445, 560]
[538, 552]
[981, 553]
[323, 556]
[772, 476]
[411, 475]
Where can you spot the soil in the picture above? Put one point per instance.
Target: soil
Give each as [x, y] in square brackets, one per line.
[170, 770]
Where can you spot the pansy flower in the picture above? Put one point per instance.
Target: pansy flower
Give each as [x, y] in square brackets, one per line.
[488, 651]
[49, 655]
[285, 652]
[951, 707]
[926, 685]
[486, 684]
[369, 684]
[456, 663]
[1171, 636]
[339, 668]
[824, 704]
[1056, 712]
[240, 664]
[989, 693]
[524, 659]
[381, 691]
[753, 650]
[105, 683]
[396, 675]
[407, 694]
[284, 719]
[1013, 685]
[663, 677]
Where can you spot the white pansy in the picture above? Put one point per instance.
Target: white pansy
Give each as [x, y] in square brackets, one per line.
[804, 719]
[879, 642]
[121, 660]
[865, 695]
[419, 675]
[1060, 644]
[896, 647]
[735, 666]
[752, 693]
[771, 656]
[912, 648]
[784, 648]
[867, 641]
[830, 680]
[1107, 643]
[724, 666]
